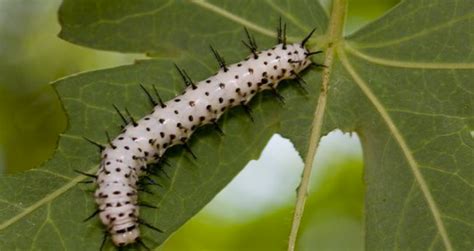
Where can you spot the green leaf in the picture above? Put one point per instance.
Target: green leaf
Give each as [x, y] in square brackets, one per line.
[403, 83]
[414, 69]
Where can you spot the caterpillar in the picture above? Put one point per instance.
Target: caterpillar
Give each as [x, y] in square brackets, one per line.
[125, 159]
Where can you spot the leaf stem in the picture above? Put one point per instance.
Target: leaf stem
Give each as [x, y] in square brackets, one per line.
[334, 34]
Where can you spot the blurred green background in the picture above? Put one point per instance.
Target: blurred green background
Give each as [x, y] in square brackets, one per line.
[253, 213]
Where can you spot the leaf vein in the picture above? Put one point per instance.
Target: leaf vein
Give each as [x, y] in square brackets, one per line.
[126, 17]
[402, 215]
[235, 18]
[407, 64]
[407, 152]
[429, 114]
[415, 35]
[51, 173]
[46, 199]
[287, 15]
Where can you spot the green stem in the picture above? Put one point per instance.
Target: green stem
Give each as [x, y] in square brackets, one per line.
[334, 35]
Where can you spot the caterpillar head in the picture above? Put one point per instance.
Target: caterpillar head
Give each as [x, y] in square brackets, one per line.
[298, 54]
[298, 57]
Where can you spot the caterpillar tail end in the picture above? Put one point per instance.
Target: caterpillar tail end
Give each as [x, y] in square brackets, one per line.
[128, 237]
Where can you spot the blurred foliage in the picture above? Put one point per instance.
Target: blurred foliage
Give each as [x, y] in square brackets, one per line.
[333, 220]
[361, 12]
[31, 116]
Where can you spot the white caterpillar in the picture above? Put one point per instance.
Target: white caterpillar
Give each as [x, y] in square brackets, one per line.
[145, 141]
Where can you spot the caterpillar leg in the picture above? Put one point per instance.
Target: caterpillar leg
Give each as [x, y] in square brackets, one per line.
[248, 111]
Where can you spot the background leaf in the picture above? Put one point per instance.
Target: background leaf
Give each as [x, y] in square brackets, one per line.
[401, 83]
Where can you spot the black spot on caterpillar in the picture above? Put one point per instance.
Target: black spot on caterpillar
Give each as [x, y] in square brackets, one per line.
[144, 141]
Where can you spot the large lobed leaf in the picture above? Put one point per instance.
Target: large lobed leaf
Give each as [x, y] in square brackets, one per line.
[403, 83]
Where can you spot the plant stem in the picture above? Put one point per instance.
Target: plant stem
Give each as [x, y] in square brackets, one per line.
[334, 35]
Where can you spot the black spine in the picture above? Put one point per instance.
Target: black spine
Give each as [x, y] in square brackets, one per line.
[108, 140]
[125, 122]
[307, 38]
[162, 104]
[92, 215]
[150, 98]
[146, 224]
[100, 146]
[251, 44]
[134, 123]
[219, 59]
